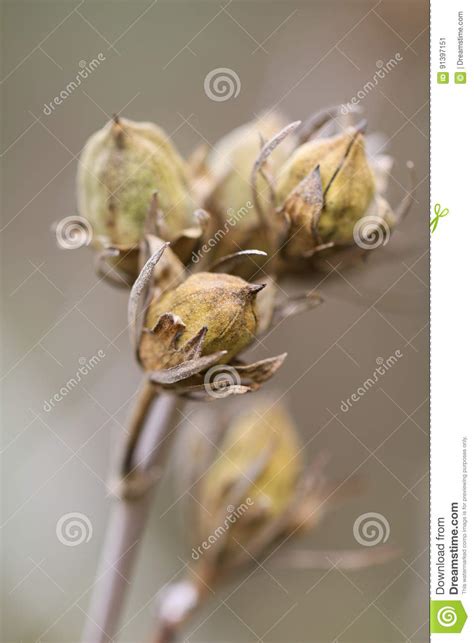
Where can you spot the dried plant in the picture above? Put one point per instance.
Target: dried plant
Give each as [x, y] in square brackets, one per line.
[201, 291]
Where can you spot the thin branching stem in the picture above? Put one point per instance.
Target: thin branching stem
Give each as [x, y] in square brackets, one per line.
[152, 429]
[146, 397]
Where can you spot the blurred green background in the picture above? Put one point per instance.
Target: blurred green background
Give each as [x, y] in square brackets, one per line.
[297, 57]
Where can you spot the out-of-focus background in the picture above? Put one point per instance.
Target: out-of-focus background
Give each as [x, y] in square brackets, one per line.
[294, 56]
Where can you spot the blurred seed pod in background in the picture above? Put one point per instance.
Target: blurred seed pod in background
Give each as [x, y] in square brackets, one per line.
[224, 182]
[252, 494]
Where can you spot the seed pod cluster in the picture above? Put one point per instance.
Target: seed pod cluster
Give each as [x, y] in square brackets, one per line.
[315, 196]
[296, 194]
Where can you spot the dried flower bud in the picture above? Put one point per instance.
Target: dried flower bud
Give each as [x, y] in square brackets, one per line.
[120, 167]
[221, 304]
[347, 183]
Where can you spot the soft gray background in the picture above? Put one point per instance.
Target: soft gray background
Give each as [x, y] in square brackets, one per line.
[299, 56]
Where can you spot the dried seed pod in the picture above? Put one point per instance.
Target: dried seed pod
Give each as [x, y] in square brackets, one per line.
[179, 332]
[120, 167]
[328, 197]
[257, 491]
[347, 184]
[254, 497]
[221, 304]
[259, 466]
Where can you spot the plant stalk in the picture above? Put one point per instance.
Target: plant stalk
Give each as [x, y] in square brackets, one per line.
[150, 436]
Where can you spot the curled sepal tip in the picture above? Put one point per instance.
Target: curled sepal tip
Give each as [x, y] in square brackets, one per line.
[138, 296]
[229, 262]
